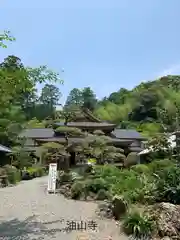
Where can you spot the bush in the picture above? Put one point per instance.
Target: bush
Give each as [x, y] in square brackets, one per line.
[106, 171]
[95, 185]
[40, 171]
[36, 172]
[159, 165]
[32, 172]
[168, 185]
[134, 187]
[127, 181]
[3, 172]
[64, 177]
[141, 168]
[13, 174]
[139, 225]
[76, 190]
[120, 206]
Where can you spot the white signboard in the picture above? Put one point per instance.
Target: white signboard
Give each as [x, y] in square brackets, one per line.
[52, 177]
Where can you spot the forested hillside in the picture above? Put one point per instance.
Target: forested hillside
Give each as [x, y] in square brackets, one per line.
[151, 107]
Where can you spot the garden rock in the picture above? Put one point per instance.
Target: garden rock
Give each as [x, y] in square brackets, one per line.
[105, 209]
[119, 207]
[168, 220]
[102, 195]
[65, 190]
[132, 159]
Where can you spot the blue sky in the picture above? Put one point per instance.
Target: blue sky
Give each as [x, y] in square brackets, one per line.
[104, 44]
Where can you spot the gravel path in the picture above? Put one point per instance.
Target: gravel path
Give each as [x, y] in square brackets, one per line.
[28, 212]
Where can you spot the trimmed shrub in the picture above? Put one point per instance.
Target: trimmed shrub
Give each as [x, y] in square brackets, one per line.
[139, 225]
[32, 172]
[141, 168]
[40, 171]
[13, 174]
[120, 206]
[76, 190]
[3, 172]
[159, 165]
[95, 185]
[36, 172]
[64, 177]
[106, 171]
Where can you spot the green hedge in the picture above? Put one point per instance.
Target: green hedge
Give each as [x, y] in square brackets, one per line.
[13, 174]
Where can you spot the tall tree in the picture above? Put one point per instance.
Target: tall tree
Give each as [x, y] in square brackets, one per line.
[74, 98]
[118, 97]
[14, 82]
[89, 98]
[49, 99]
[50, 95]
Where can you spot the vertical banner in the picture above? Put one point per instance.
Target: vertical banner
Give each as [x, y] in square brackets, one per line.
[52, 177]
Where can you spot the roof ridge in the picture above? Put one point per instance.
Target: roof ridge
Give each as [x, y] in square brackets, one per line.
[37, 128]
[90, 114]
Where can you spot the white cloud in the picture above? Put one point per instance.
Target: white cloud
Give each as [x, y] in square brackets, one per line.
[172, 70]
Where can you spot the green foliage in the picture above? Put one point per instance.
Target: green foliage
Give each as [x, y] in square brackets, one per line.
[151, 107]
[149, 129]
[98, 133]
[157, 181]
[127, 184]
[74, 98]
[71, 131]
[141, 168]
[13, 174]
[36, 171]
[76, 190]
[99, 147]
[168, 185]
[139, 225]
[65, 177]
[106, 171]
[21, 158]
[35, 123]
[95, 185]
[83, 98]
[5, 37]
[159, 165]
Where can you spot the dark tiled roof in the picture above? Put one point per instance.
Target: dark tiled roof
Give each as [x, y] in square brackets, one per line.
[60, 139]
[87, 124]
[76, 140]
[136, 149]
[37, 133]
[90, 115]
[127, 134]
[4, 149]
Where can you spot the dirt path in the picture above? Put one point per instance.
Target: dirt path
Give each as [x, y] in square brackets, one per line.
[27, 212]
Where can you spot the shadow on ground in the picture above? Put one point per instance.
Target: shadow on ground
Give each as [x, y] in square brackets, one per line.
[30, 228]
